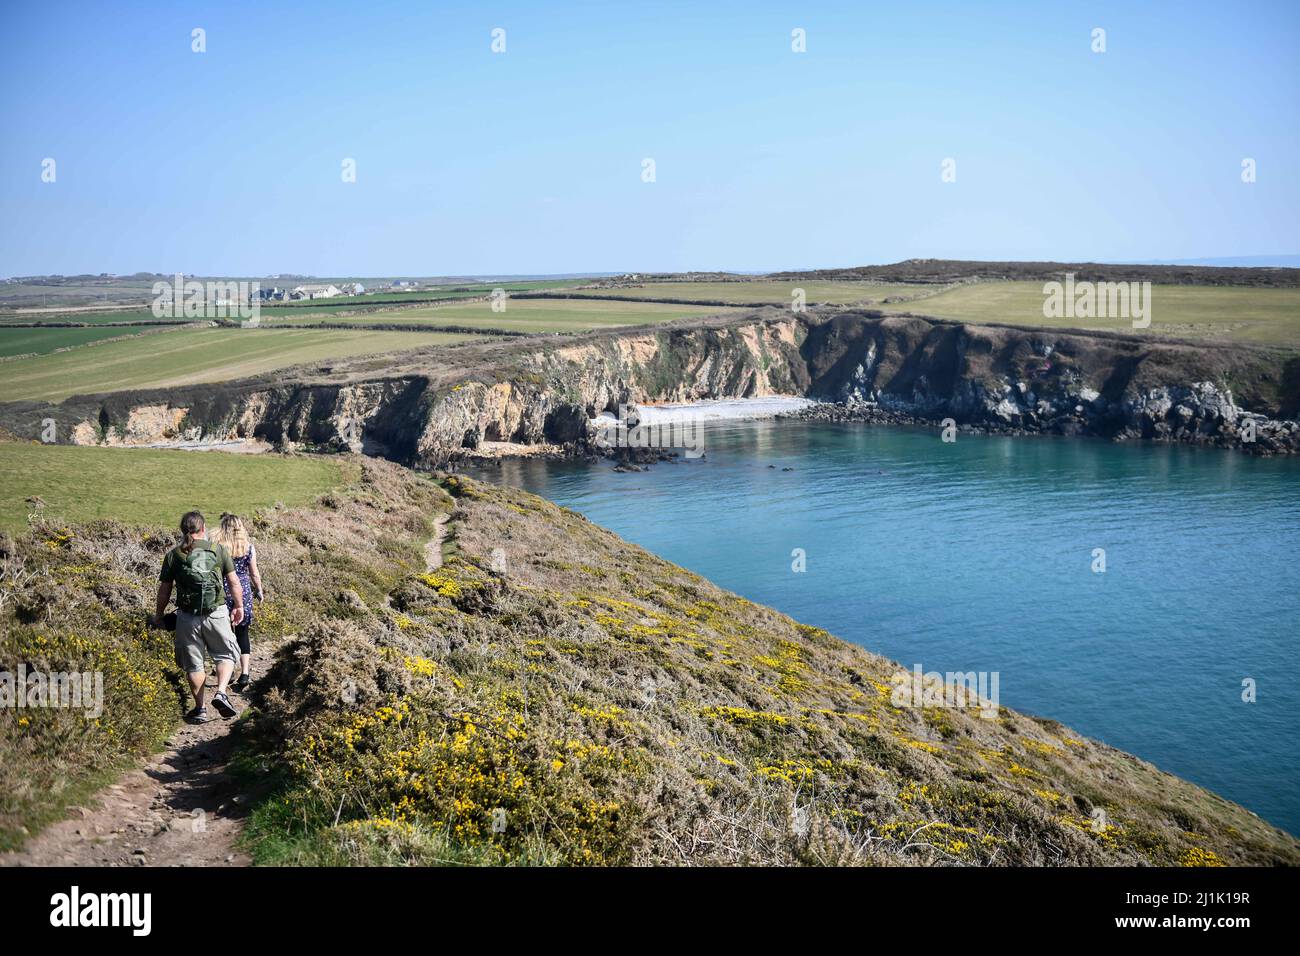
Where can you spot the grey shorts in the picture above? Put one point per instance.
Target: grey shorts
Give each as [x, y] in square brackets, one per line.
[196, 633]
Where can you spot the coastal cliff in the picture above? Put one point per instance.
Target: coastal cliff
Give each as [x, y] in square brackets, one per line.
[431, 406]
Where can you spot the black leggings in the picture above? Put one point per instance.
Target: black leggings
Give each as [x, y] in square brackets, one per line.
[241, 635]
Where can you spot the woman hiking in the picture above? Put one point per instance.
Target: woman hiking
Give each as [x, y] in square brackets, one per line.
[234, 538]
[198, 569]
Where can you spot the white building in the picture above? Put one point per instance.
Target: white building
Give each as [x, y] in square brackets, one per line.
[316, 291]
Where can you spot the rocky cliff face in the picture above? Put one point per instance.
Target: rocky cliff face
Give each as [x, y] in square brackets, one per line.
[1064, 383]
[432, 406]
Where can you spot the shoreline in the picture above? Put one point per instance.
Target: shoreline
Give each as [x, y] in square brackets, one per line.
[797, 409]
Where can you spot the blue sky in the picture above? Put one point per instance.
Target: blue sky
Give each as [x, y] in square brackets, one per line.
[229, 161]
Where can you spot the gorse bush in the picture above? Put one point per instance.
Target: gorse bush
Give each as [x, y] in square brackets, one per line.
[74, 605]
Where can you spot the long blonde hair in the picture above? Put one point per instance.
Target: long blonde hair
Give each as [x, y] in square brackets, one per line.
[233, 536]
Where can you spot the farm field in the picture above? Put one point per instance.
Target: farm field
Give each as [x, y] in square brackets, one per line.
[762, 291]
[43, 341]
[522, 315]
[139, 486]
[31, 300]
[1261, 316]
[118, 316]
[184, 356]
[460, 291]
[142, 313]
[75, 291]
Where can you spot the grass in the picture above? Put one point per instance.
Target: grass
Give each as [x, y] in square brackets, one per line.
[527, 315]
[44, 341]
[115, 317]
[140, 486]
[760, 292]
[1213, 313]
[34, 303]
[184, 356]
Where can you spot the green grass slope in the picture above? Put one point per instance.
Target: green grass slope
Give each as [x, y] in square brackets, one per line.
[520, 315]
[1208, 313]
[138, 486]
[27, 341]
[182, 356]
[553, 694]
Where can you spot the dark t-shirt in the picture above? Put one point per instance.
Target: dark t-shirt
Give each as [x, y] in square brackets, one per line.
[168, 573]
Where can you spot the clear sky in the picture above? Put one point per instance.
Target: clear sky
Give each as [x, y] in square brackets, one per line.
[530, 161]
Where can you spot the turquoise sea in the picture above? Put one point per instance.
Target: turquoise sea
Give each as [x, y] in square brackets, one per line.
[979, 555]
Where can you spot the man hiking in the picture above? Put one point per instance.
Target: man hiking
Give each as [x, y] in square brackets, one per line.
[200, 570]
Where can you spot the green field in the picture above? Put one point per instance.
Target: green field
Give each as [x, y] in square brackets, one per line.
[1220, 313]
[761, 292]
[185, 356]
[94, 294]
[522, 315]
[182, 356]
[43, 341]
[140, 486]
[89, 317]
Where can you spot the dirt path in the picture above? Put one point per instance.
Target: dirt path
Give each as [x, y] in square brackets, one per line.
[433, 550]
[180, 809]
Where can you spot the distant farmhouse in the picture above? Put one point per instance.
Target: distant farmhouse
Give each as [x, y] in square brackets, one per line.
[315, 292]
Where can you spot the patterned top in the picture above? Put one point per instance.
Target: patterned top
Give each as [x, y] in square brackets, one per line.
[242, 566]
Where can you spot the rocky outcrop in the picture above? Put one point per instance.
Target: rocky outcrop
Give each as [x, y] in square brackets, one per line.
[431, 406]
[1069, 383]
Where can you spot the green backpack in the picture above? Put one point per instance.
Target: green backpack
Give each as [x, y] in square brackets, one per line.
[199, 589]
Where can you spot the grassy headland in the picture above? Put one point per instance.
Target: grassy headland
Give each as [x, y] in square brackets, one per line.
[553, 694]
[1264, 316]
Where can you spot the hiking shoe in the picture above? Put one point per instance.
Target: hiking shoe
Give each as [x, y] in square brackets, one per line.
[241, 685]
[224, 707]
[198, 715]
